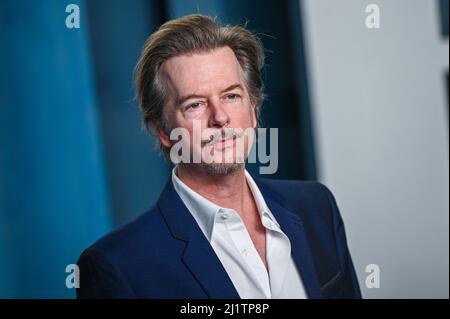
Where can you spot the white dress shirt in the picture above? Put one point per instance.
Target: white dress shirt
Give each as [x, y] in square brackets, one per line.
[228, 236]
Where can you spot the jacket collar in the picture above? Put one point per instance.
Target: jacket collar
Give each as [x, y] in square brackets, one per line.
[292, 225]
[201, 259]
[198, 256]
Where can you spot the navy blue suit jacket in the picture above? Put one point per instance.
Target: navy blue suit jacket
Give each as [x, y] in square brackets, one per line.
[164, 254]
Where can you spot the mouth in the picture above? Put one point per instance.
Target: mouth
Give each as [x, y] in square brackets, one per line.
[221, 139]
[224, 143]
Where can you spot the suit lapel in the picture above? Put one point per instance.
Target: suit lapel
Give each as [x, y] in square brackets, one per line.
[201, 260]
[292, 226]
[199, 257]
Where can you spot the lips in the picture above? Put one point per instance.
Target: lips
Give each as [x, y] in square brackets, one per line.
[223, 138]
[224, 143]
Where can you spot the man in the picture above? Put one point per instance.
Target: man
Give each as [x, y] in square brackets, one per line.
[216, 232]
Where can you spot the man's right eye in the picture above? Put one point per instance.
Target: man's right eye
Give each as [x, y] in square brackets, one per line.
[193, 106]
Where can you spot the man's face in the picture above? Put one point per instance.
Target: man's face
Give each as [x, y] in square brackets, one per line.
[208, 91]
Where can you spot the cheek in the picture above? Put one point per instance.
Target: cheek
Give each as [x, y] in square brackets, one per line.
[247, 117]
[195, 128]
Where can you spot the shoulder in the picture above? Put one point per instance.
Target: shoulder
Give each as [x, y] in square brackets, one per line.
[298, 191]
[294, 185]
[311, 200]
[129, 240]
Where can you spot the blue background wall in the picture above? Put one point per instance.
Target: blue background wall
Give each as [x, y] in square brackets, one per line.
[54, 199]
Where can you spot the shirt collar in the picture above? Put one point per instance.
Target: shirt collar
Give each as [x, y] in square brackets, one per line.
[263, 209]
[204, 211]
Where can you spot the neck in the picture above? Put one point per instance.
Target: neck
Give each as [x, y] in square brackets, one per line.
[228, 190]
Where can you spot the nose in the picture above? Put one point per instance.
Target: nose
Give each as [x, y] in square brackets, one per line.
[218, 116]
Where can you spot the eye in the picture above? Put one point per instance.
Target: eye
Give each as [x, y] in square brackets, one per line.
[232, 96]
[193, 107]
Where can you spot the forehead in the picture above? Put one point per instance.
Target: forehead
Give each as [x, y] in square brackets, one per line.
[202, 73]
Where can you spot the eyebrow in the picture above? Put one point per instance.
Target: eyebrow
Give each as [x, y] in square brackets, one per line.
[196, 96]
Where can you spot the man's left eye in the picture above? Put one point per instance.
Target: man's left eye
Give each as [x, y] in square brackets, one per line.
[232, 96]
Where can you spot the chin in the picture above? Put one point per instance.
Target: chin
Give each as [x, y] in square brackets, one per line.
[222, 168]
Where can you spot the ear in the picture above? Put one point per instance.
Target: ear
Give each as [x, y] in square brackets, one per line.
[254, 119]
[163, 137]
